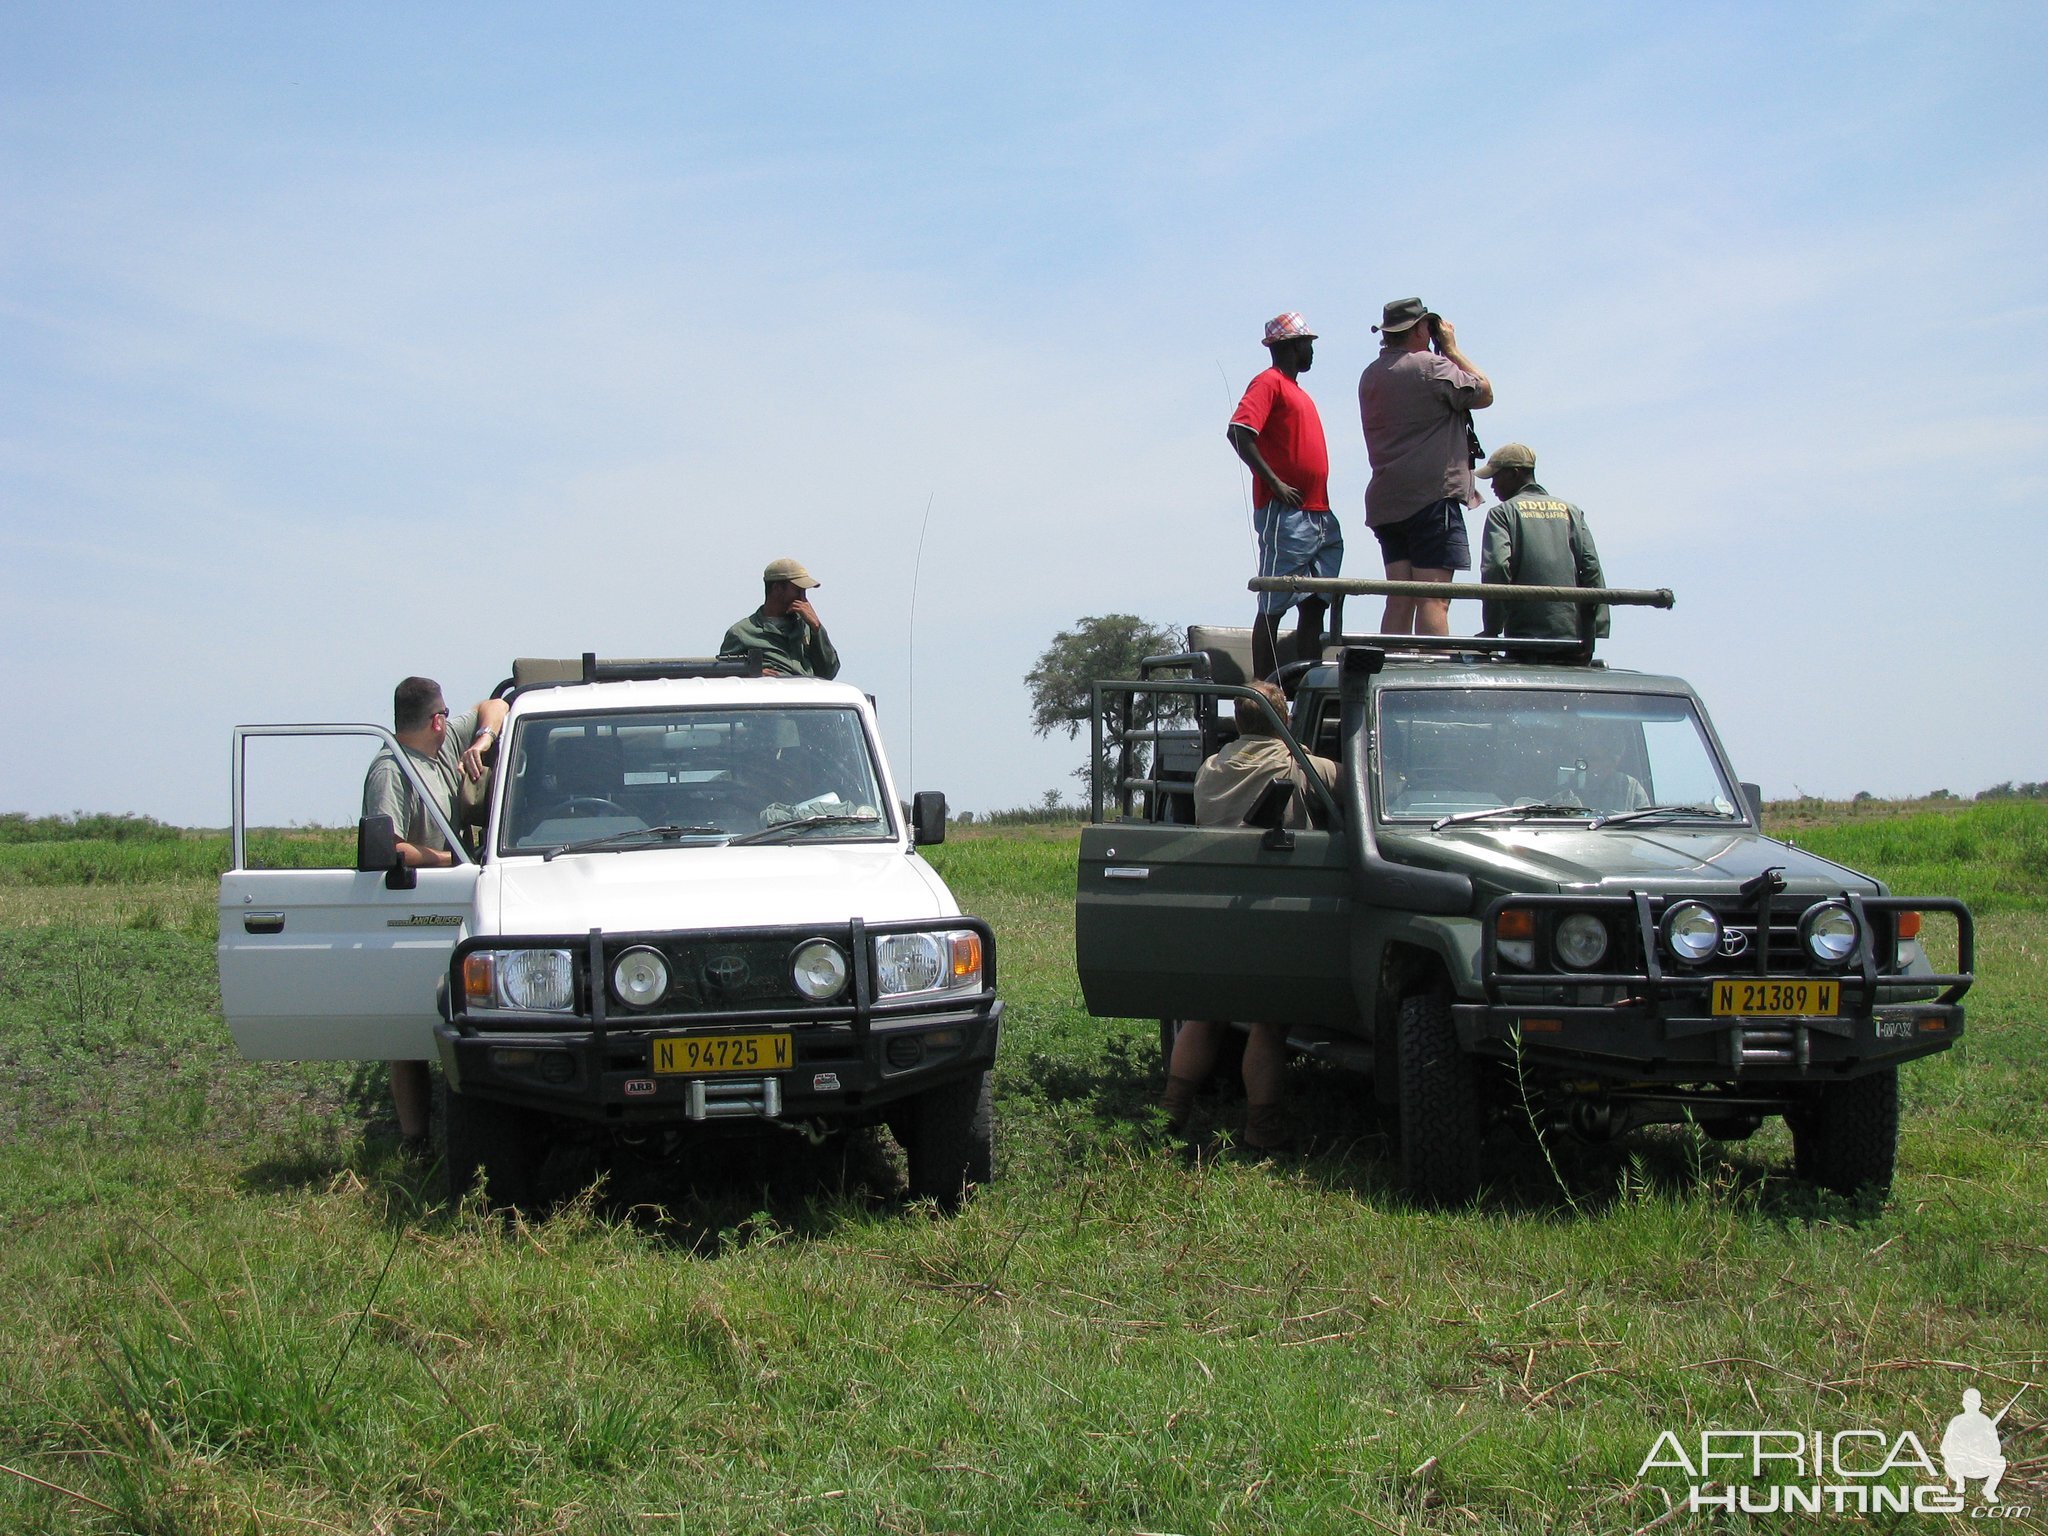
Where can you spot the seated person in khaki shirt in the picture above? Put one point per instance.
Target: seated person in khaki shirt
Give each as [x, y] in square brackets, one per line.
[1226, 787]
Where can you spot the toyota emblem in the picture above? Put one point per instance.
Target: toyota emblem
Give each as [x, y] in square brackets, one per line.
[1734, 942]
[725, 973]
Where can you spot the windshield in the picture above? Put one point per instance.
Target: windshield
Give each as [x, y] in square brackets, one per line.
[690, 776]
[1555, 753]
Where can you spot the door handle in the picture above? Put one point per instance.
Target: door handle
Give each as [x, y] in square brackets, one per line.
[263, 922]
[1125, 872]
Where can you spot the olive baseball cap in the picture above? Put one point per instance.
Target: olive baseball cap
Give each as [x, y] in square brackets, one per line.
[1506, 456]
[1403, 315]
[786, 569]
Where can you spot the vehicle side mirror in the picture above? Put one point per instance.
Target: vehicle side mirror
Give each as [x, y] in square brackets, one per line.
[377, 848]
[927, 818]
[1754, 794]
[1270, 810]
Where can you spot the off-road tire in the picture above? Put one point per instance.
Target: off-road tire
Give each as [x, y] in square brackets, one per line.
[948, 1136]
[1438, 1104]
[1846, 1138]
[493, 1144]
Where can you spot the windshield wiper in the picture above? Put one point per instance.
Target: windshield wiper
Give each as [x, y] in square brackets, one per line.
[1645, 812]
[801, 824]
[1509, 810]
[614, 841]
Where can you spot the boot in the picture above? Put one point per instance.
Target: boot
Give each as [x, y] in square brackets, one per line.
[1179, 1101]
[1266, 1129]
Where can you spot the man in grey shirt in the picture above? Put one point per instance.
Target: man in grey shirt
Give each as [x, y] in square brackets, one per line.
[443, 750]
[1416, 408]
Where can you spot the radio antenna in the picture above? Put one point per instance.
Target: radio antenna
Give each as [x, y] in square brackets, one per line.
[910, 711]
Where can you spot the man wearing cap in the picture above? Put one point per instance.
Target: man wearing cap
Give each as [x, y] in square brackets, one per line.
[1278, 433]
[785, 630]
[1416, 407]
[1534, 540]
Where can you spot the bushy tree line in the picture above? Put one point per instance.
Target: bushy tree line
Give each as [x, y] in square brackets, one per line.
[83, 826]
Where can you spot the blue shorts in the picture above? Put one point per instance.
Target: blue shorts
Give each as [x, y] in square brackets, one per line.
[1431, 540]
[1293, 542]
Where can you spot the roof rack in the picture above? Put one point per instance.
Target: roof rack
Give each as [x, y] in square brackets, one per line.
[1585, 599]
[549, 672]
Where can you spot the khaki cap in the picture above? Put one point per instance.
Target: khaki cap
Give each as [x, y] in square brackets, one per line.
[1507, 456]
[786, 569]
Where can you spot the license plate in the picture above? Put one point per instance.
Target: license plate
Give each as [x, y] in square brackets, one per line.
[1768, 998]
[705, 1055]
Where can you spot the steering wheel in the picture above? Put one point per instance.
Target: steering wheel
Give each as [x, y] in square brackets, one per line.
[581, 804]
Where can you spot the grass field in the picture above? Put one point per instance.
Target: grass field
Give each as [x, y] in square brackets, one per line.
[226, 1305]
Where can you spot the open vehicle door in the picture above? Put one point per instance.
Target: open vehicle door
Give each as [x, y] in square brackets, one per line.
[1246, 923]
[1214, 923]
[336, 964]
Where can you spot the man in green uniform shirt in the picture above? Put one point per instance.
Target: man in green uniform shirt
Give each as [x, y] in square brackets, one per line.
[785, 631]
[1535, 540]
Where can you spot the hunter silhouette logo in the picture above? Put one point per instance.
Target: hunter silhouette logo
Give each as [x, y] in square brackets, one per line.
[1970, 1448]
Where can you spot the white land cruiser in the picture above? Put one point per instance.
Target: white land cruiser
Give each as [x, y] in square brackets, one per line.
[696, 910]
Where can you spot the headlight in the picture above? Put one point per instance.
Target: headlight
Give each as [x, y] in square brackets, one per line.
[640, 977]
[926, 962]
[819, 970]
[537, 980]
[1692, 932]
[907, 962]
[1581, 941]
[1829, 932]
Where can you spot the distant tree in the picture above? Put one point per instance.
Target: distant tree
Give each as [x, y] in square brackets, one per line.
[1863, 795]
[1108, 646]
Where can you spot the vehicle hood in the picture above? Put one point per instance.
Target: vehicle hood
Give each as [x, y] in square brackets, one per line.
[1618, 859]
[661, 889]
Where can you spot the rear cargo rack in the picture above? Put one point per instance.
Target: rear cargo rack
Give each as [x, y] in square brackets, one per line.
[548, 672]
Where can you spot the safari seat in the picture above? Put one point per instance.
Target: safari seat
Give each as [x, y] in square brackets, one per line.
[1229, 650]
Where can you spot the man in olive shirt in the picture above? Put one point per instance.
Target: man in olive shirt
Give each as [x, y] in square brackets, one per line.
[443, 750]
[1535, 540]
[785, 631]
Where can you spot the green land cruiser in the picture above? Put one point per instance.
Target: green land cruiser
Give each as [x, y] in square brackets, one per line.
[1538, 893]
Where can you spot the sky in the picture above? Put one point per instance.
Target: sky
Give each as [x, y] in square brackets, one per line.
[339, 343]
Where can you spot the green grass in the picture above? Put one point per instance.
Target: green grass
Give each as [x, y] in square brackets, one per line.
[226, 1306]
[1993, 854]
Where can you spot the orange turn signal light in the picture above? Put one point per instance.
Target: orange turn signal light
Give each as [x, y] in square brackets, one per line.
[1909, 925]
[966, 955]
[479, 971]
[1516, 923]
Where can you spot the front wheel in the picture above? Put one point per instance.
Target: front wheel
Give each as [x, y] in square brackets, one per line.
[1846, 1138]
[1438, 1104]
[948, 1136]
[496, 1145]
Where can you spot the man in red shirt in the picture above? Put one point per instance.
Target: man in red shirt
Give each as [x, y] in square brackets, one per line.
[1279, 435]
